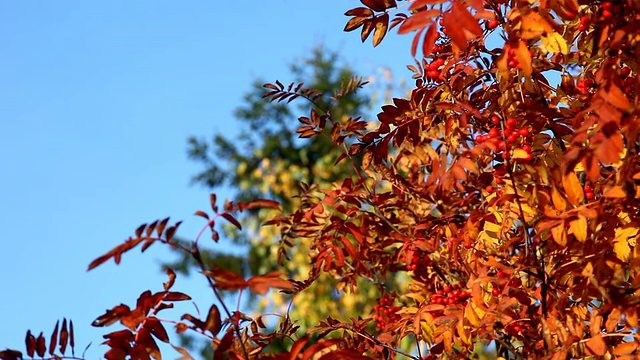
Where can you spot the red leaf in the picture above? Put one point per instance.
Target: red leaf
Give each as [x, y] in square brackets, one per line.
[54, 339]
[262, 283]
[156, 328]
[259, 204]
[225, 279]
[64, 336]
[379, 5]
[176, 296]
[232, 220]
[30, 342]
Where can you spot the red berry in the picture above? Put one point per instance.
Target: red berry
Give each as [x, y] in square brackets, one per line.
[495, 291]
[606, 13]
[524, 132]
[511, 123]
[495, 119]
[588, 188]
[625, 71]
[467, 245]
[493, 133]
[489, 189]
[583, 27]
[492, 24]
[589, 195]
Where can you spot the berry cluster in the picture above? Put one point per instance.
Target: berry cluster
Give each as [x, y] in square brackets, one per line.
[627, 79]
[517, 327]
[498, 288]
[451, 294]
[584, 85]
[607, 9]
[512, 57]
[419, 263]
[517, 139]
[585, 21]
[386, 313]
[589, 191]
[433, 72]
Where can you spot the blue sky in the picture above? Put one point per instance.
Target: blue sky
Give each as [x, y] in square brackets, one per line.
[96, 103]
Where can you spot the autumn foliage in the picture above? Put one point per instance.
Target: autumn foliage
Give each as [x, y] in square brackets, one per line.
[505, 188]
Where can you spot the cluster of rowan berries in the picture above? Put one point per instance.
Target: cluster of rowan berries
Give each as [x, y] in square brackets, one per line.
[584, 85]
[517, 327]
[498, 288]
[627, 79]
[386, 312]
[513, 138]
[419, 263]
[585, 21]
[512, 58]
[451, 294]
[433, 72]
[589, 191]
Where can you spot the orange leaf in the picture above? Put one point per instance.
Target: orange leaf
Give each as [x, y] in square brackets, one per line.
[573, 188]
[382, 24]
[625, 348]
[262, 283]
[615, 97]
[225, 279]
[596, 345]
[534, 25]
[615, 192]
[524, 58]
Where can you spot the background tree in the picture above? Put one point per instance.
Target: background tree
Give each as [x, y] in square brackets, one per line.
[268, 160]
[510, 201]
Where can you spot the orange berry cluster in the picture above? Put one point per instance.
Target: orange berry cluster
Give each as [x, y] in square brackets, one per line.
[419, 263]
[499, 288]
[627, 79]
[512, 58]
[451, 294]
[386, 312]
[433, 72]
[584, 85]
[589, 191]
[517, 327]
[521, 138]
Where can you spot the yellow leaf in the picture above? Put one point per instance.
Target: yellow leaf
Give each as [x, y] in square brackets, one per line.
[578, 228]
[621, 242]
[491, 227]
[534, 25]
[558, 199]
[559, 234]
[573, 188]
[520, 154]
[555, 43]
[615, 192]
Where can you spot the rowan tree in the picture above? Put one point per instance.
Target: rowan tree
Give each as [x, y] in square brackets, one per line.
[505, 186]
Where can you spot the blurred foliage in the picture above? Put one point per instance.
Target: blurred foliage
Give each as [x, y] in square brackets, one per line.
[267, 160]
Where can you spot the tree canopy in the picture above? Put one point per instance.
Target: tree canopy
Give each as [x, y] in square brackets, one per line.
[504, 188]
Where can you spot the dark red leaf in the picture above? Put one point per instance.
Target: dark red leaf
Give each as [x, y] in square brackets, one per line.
[41, 346]
[30, 343]
[54, 339]
[232, 220]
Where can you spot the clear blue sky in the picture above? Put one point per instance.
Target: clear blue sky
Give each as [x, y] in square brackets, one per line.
[97, 100]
